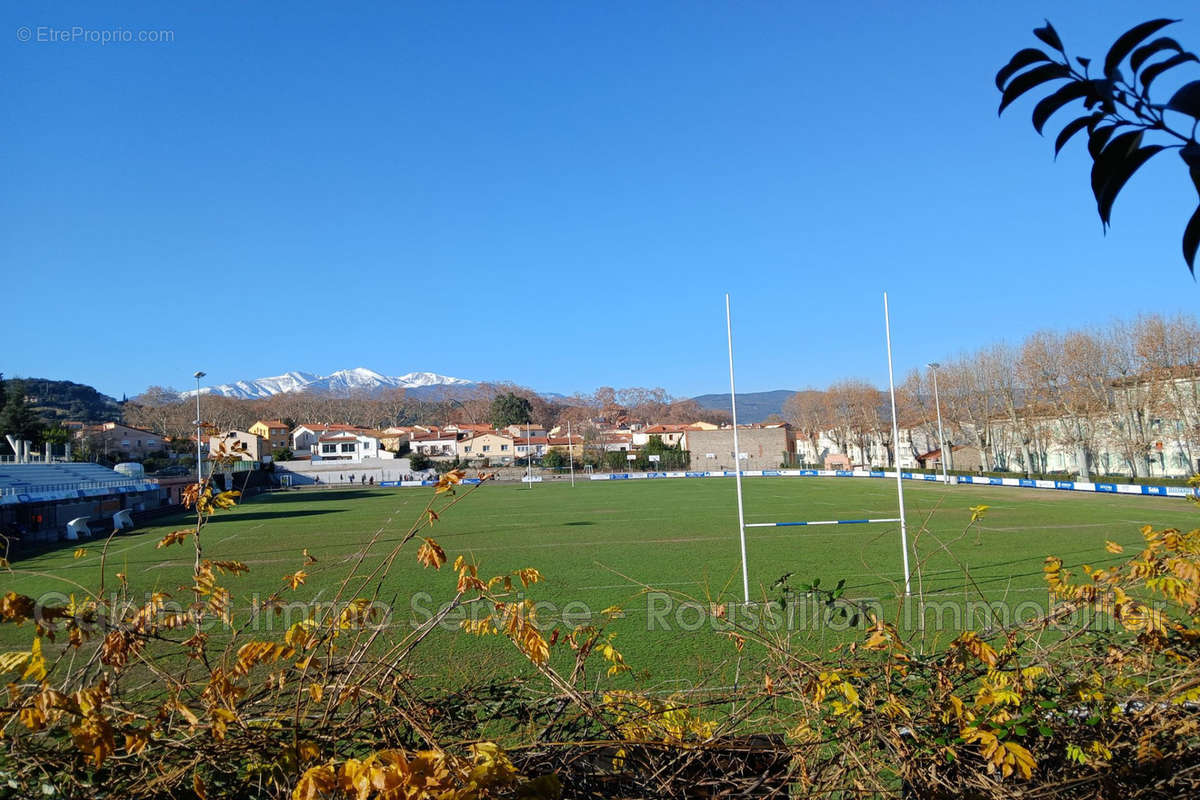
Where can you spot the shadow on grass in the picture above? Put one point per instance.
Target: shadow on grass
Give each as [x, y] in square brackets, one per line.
[306, 495]
[580, 522]
[216, 519]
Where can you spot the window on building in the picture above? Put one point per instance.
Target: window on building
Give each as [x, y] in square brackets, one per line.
[486, 448]
[348, 447]
[503, 447]
[329, 448]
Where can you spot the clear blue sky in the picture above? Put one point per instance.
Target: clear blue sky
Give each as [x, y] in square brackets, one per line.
[557, 194]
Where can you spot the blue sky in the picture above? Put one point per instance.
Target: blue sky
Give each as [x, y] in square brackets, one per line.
[556, 194]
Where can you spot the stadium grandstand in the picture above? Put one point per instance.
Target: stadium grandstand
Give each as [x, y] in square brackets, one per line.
[42, 503]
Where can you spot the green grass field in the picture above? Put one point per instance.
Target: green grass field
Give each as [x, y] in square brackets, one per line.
[599, 544]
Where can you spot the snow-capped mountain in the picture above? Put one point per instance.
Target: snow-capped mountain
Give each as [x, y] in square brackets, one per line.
[359, 379]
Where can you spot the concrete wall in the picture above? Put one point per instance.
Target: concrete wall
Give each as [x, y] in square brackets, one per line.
[766, 448]
[337, 473]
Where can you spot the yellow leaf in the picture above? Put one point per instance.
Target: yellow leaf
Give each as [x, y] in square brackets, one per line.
[977, 512]
[80, 552]
[1113, 547]
[295, 579]
[528, 575]
[431, 554]
[176, 537]
[36, 668]
[11, 661]
[316, 782]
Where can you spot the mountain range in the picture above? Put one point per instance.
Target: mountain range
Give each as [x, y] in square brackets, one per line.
[752, 406]
[343, 381]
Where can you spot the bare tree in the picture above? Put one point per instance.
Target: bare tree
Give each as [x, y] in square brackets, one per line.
[808, 413]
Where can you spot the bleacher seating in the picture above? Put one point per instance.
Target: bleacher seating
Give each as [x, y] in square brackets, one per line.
[20, 477]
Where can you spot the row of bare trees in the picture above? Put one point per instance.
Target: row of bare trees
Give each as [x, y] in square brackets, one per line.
[1107, 399]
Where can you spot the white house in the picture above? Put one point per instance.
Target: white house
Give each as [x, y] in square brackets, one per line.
[306, 435]
[535, 446]
[435, 445]
[351, 446]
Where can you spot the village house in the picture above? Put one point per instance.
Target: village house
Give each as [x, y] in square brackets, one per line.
[305, 436]
[351, 446]
[435, 445]
[255, 446]
[273, 431]
[497, 446]
[120, 440]
[527, 446]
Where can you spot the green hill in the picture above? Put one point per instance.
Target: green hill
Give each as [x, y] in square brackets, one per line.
[60, 401]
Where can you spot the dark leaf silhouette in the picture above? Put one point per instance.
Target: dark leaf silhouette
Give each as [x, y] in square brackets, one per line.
[1022, 59]
[1073, 127]
[1049, 36]
[1053, 102]
[1186, 100]
[1191, 241]
[1147, 50]
[1108, 158]
[1131, 39]
[1119, 175]
[1154, 70]
[1027, 80]
[1098, 138]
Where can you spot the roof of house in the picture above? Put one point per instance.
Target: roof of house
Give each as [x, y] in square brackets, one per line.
[271, 423]
[527, 440]
[317, 427]
[501, 434]
[429, 437]
[937, 452]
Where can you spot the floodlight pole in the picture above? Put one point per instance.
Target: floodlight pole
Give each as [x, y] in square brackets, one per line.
[199, 464]
[887, 326]
[737, 456]
[933, 368]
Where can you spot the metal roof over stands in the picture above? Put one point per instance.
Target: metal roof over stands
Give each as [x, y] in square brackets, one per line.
[27, 483]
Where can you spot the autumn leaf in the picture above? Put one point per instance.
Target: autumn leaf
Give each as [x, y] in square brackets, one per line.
[528, 575]
[1113, 547]
[80, 552]
[447, 482]
[431, 554]
[308, 558]
[295, 579]
[35, 669]
[175, 537]
[977, 512]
